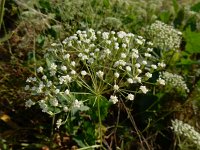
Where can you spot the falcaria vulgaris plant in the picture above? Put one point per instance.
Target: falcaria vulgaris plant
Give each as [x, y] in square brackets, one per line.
[90, 70]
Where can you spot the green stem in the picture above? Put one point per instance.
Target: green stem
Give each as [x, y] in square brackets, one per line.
[52, 126]
[100, 123]
[1, 11]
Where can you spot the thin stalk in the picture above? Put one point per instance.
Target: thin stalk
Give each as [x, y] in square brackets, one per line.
[1, 11]
[52, 126]
[34, 58]
[9, 46]
[100, 123]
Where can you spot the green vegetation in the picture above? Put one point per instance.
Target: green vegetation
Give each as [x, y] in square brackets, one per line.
[99, 74]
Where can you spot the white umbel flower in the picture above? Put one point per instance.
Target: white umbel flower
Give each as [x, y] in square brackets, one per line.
[29, 103]
[130, 97]
[144, 89]
[116, 87]
[83, 73]
[100, 74]
[40, 69]
[116, 74]
[161, 81]
[113, 99]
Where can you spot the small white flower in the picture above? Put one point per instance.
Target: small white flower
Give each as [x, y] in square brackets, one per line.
[44, 77]
[67, 56]
[83, 73]
[149, 49]
[112, 32]
[27, 87]
[154, 66]
[113, 99]
[144, 62]
[121, 34]
[128, 68]
[116, 47]
[92, 54]
[80, 55]
[129, 80]
[40, 69]
[58, 123]
[144, 89]
[138, 41]
[107, 51]
[84, 57]
[139, 71]
[130, 97]
[29, 103]
[54, 102]
[43, 106]
[148, 75]
[135, 51]
[162, 65]
[105, 35]
[57, 91]
[147, 55]
[98, 32]
[63, 68]
[67, 78]
[135, 55]
[79, 42]
[28, 79]
[73, 72]
[77, 103]
[53, 66]
[123, 55]
[90, 61]
[97, 50]
[137, 65]
[150, 43]
[116, 87]
[137, 79]
[70, 44]
[108, 41]
[86, 50]
[73, 63]
[49, 83]
[116, 74]
[34, 79]
[54, 44]
[114, 39]
[124, 45]
[100, 74]
[161, 81]
[67, 92]
[65, 109]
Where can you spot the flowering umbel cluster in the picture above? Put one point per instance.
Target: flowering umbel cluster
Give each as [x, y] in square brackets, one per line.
[116, 65]
[164, 36]
[187, 131]
[173, 81]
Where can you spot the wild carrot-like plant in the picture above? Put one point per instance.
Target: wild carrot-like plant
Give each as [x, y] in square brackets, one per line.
[93, 67]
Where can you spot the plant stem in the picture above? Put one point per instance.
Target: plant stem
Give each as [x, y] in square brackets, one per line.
[100, 123]
[1, 11]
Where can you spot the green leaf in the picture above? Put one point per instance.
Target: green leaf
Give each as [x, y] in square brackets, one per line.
[106, 3]
[175, 5]
[40, 40]
[165, 16]
[192, 41]
[104, 105]
[79, 142]
[196, 7]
